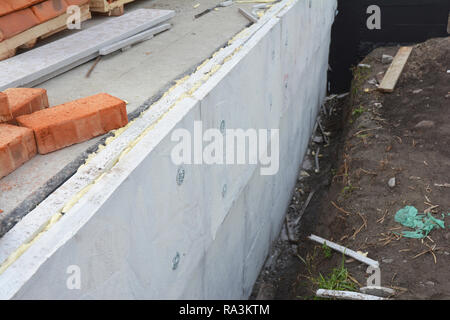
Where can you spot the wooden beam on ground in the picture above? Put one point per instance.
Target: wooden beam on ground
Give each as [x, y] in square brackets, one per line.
[395, 70]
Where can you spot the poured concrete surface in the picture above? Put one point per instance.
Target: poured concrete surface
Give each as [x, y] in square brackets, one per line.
[133, 231]
[136, 75]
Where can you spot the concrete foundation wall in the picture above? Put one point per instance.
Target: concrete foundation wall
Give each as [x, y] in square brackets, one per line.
[137, 233]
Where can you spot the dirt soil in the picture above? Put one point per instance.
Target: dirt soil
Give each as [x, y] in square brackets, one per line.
[374, 137]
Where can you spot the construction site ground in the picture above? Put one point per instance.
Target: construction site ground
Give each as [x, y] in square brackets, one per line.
[374, 137]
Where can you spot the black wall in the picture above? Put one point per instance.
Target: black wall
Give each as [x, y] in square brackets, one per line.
[402, 22]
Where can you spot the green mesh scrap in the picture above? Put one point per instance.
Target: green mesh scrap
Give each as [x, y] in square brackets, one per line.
[421, 223]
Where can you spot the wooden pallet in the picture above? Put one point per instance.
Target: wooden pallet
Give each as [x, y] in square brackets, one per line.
[115, 8]
[28, 38]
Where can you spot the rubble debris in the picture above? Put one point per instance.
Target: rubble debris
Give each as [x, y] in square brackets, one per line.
[304, 174]
[322, 130]
[377, 291]
[307, 164]
[317, 170]
[373, 82]
[305, 205]
[266, 292]
[386, 59]
[222, 4]
[379, 76]
[343, 95]
[364, 65]
[318, 139]
[445, 185]
[391, 182]
[424, 124]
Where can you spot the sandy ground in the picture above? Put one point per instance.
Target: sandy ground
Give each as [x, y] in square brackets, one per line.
[374, 137]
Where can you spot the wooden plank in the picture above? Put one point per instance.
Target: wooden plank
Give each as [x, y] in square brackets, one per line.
[395, 70]
[51, 59]
[40, 31]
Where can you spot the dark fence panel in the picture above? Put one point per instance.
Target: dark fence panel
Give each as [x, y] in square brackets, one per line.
[400, 22]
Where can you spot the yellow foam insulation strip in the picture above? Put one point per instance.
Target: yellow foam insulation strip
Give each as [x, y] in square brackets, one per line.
[24, 247]
[116, 133]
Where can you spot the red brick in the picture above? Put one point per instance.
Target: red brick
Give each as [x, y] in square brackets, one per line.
[26, 100]
[76, 121]
[5, 8]
[49, 9]
[5, 111]
[16, 22]
[17, 146]
[8, 6]
[22, 4]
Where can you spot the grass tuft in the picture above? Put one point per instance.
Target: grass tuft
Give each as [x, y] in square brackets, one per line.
[338, 279]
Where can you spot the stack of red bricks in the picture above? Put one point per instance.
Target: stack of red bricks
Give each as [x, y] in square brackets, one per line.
[16, 16]
[28, 126]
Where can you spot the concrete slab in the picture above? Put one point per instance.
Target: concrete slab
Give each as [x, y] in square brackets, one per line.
[41, 63]
[139, 75]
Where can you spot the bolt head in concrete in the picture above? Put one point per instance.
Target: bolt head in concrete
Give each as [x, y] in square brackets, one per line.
[180, 176]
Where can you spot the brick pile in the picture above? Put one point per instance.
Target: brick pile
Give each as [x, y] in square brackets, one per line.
[28, 126]
[17, 16]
